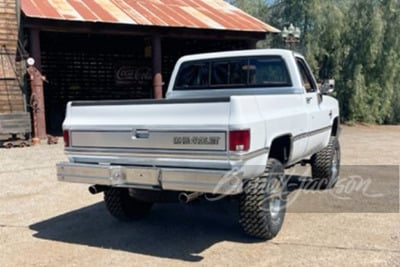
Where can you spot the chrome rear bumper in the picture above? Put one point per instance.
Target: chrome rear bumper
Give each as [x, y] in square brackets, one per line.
[194, 180]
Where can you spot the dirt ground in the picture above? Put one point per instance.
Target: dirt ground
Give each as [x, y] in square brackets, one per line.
[44, 222]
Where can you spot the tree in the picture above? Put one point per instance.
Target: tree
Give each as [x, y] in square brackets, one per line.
[370, 65]
[256, 8]
[355, 42]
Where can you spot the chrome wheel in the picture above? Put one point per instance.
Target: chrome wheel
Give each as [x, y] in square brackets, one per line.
[274, 198]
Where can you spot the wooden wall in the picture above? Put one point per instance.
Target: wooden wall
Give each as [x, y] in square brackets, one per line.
[11, 97]
[99, 67]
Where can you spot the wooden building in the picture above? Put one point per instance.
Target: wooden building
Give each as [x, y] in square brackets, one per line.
[124, 49]
[11, 94]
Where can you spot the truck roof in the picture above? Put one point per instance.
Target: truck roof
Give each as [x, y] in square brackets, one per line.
[239, 53]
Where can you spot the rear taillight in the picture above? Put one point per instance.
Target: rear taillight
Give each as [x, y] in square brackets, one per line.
[239, 140]
[66, 138]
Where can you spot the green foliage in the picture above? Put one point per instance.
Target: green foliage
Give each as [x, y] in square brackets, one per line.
[355, 42]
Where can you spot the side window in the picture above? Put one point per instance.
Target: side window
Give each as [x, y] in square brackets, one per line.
[306, 77]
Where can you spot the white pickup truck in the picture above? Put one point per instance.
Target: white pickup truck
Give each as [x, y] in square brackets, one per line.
[231, 123]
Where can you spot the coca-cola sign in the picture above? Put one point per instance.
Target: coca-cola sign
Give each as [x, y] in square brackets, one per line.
[128, 74]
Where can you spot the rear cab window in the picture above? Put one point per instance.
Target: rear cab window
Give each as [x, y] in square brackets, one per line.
[236, 72]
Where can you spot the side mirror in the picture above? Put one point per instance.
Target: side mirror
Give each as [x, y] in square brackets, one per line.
[328, 87]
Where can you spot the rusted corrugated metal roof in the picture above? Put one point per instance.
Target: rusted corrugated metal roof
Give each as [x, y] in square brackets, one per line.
[200, 14]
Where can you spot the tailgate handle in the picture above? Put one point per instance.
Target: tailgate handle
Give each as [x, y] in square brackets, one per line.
[141, 134]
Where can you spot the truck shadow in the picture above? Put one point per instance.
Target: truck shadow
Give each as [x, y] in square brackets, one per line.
[170, 231]
[174, 231]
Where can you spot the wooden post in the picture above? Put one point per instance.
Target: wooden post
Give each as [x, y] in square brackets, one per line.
[157, 61]
[35, 48]
[37, 104]
[37, 94]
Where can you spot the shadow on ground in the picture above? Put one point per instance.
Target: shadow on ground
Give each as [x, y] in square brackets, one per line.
[170, 231]
[184, 231]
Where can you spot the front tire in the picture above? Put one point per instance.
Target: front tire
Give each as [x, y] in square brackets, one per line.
[325, 165]
[263, 202]
[124, 207]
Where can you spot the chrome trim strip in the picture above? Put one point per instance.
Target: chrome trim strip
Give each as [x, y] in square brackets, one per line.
[250, 155]
[133, 153]
[168, 140]
[308, 134]
[164, 154]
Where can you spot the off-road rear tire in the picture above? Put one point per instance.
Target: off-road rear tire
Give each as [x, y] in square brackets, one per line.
[124, 207]
[263, 202]
[325, 165]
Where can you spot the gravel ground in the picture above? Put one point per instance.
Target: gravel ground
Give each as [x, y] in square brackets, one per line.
[48, 223]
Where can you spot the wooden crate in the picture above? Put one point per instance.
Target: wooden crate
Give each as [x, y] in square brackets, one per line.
[16, 123]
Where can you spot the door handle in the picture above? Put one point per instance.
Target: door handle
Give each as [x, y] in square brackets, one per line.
[308, 99]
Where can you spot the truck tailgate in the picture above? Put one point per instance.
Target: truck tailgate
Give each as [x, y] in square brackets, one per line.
[176, 125]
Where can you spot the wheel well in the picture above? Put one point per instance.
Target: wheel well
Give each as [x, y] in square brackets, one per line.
[281, 148]
[335, 127]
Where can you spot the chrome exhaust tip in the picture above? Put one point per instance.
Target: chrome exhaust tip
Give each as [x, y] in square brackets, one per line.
[186, 198]
[95, 189]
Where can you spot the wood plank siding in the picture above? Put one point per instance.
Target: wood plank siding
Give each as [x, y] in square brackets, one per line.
[11, 97]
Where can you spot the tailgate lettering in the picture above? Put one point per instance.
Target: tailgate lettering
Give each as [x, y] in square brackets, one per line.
[196, 140]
